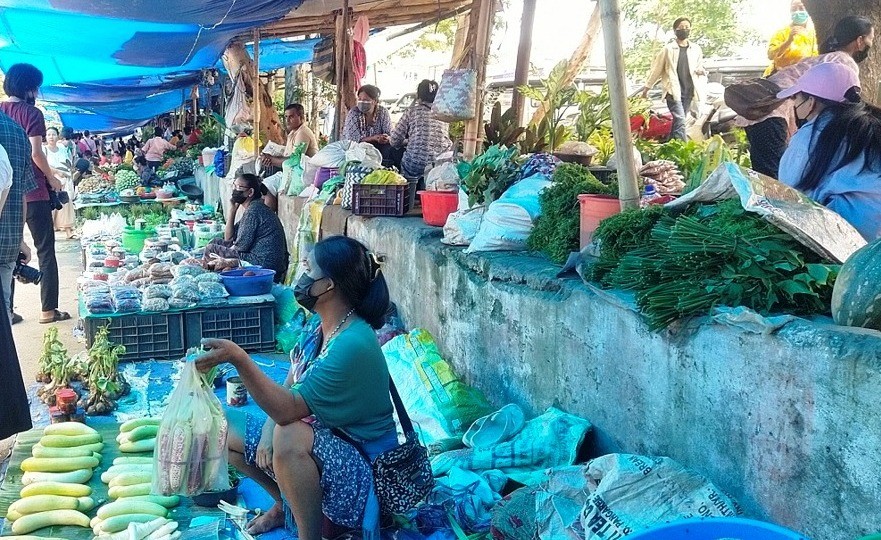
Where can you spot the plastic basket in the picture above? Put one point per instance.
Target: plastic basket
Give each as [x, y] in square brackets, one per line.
[251, 327]
[157, 336]
[717, 529]
[379, 200]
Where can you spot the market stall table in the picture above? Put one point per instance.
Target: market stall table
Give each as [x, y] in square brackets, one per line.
[78, 204]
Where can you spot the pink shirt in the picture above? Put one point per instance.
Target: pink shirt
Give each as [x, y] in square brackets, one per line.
[155, 148]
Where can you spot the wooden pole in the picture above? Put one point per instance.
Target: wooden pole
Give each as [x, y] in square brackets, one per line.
[521, 72]
[343, 79]
[628, 188]
[483, 32]
[255, 93]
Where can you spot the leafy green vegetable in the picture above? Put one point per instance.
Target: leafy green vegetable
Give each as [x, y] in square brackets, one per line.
[556, 230]
[687, 155]
[489, 174]
[619, 234]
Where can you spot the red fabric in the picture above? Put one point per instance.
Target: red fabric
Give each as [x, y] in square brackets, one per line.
[31, 120]
[359, 62]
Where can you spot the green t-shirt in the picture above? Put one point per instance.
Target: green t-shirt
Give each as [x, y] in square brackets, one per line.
[347, 386]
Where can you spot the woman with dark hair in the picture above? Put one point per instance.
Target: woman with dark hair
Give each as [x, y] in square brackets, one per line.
[61, 161]
[258, 237]
[22, 83]
[849, 45]
[155, 148]
[369, 121]
[424, 136]
[338, 382]
[835, 158]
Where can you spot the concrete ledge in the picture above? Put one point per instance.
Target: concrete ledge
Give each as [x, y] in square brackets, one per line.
[788, 423]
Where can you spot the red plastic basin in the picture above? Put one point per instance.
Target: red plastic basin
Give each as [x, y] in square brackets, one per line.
[437, 206]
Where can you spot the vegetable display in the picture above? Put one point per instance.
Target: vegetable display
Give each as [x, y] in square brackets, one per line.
[856, 299]
[719, 255]
[106, 383]
[126, 179]
[486, 177]
[556, 230]
[56, 367]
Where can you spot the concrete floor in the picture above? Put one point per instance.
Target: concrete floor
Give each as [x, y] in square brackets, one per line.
[28, 334]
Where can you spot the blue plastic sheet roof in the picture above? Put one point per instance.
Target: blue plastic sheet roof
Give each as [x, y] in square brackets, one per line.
[119, 61]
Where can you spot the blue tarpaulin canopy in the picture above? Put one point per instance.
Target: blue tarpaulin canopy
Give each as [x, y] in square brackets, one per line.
[112, 64]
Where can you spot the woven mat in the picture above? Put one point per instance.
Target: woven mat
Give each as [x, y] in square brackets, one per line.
[9, 490]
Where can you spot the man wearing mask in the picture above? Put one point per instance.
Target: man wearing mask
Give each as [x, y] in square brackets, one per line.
[680, 70]
[795, 42]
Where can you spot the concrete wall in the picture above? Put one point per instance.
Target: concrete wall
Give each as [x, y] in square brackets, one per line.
[787, 423]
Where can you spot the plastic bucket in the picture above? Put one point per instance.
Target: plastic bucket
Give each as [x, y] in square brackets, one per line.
[595, 208]
[323, 175]
[438, 205]
[133, 239]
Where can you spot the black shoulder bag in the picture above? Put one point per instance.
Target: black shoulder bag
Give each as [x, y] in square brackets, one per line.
[402, 475]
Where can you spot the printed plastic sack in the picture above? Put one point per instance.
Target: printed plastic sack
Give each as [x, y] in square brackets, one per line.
[354, 173]
[508, 221]
[292, 172]
[815, 226]
[456, 97]
[440, 404]
[191, 449]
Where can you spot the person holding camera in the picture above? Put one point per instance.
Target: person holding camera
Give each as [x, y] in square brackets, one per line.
[22, 84]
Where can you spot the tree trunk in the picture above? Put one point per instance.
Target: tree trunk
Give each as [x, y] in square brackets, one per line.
[579, 56]
[290, 84]
[826, 13]
[238, 62]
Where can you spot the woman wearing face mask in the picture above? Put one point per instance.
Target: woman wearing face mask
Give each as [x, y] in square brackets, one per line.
[795, 42]
[849, 45]
[369, 121]
[338, 381]
[258, 237]
[835, 157]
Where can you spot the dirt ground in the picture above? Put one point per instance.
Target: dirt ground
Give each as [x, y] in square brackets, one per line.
[28, 334]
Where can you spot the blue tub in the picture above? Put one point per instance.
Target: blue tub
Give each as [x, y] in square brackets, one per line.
[241, 285]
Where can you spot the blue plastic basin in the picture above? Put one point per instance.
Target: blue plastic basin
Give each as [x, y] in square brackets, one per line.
[241, 285]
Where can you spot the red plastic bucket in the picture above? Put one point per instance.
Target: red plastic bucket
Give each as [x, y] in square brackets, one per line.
[437, 206]
[595, 208]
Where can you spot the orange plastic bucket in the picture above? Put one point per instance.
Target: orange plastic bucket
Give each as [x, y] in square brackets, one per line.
[595, 208]
[438, 205]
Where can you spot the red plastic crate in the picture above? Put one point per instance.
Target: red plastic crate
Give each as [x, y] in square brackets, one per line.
[380, 200]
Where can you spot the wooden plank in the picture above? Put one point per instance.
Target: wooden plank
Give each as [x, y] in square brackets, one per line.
[11, 487]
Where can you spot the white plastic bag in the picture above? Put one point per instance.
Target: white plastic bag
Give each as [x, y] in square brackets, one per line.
[462, 226]
[238, 112]
[365, 153]
[443, 177]
[508, 220]
[331, 156]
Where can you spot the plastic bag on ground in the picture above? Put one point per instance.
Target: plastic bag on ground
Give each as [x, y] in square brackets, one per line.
[440, 404]
[191, 446]
[508, 221]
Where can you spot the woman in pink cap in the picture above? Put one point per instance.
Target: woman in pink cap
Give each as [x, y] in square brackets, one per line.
[835, 156]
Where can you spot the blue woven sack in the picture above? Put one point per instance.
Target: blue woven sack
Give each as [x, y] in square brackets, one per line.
[456, 96]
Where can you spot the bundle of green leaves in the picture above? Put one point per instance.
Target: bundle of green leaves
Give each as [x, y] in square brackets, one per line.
[620, 234]
[721, 255]
[555, 232]
[488, 175]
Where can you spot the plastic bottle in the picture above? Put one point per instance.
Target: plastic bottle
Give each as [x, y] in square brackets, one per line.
[649, 194]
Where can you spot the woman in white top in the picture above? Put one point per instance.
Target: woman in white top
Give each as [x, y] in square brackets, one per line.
[61, 161]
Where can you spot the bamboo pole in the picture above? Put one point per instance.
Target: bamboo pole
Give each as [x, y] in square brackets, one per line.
[628, 188]
[521, 72]
[483, 32]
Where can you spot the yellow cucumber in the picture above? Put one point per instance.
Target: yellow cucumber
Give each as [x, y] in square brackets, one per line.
[58, 464]
[117, 470]
[44, 503]
[38, 450]
[124, 437]
[65, 441]
[11, 515]
[33, 522]
[73, 477]
[124, 507]
[56, 488]
[133, 460]
[70, 429]
[146, 445]
[138, 422]
[94, 522]
[129, 479]
[86, 504]
[169, 501]
[121, 492]
[143, 432]
[119, 523]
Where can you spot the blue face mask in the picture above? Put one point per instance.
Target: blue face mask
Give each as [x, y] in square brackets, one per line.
[800, 17]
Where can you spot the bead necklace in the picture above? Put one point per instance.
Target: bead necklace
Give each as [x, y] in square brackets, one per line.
[335, 330]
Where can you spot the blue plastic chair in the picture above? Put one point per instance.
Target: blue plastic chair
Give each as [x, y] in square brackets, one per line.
[717, 529]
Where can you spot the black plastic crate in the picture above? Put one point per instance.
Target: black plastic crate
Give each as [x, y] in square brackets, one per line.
[251, 327]
[380, 200]
[145, 336]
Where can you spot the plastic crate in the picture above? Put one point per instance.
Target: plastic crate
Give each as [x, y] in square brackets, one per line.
[379, 200]
[145, 336]
[251, 327]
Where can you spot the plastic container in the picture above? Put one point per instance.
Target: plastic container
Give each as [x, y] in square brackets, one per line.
[250, 326]
[208, 156]
[145, 336]
[379, 200]
[323, 175]
[133, 239]
[210, 499]
[716, 529]
[437, 206]
[649, 196]
[239, 284]
[595, 208]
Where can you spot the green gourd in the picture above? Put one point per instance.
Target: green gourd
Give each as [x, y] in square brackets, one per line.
[856, 298]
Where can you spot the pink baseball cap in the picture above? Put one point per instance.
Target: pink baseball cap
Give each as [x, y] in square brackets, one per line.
[830, 81]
